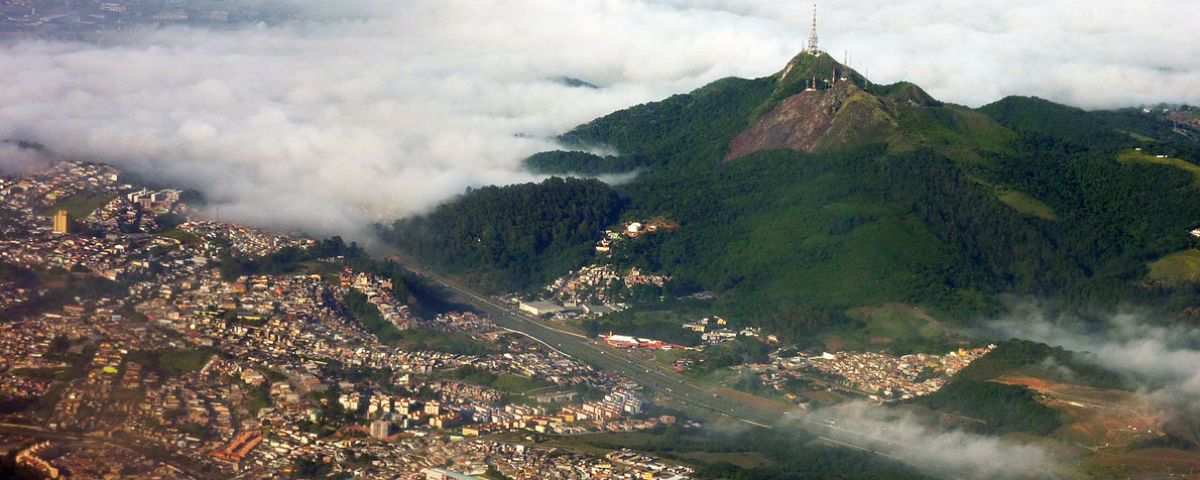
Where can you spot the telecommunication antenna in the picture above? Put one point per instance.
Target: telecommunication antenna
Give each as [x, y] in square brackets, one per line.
[845, 65]
[812, 36]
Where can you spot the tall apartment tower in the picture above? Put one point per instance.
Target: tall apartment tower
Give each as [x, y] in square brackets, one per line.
[380, 429]
[61, 222]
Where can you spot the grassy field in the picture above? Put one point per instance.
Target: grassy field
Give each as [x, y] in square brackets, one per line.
[1136, 157]
[656, 321]
[892, 325]
[327, 270]
[601, 443]
[1176, 268]
[1143, 464]
[48, 373]
[1026, 204]
[79, 205]
[425, 339]
[172, 362]
[668, 357]
[516, 383]
[186, 238]
[1137, 136]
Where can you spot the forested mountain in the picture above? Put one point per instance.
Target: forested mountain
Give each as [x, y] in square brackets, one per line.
[813, 191]
[512, 238]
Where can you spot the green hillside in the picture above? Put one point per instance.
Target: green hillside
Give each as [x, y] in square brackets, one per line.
[937, 206]
[512, 238]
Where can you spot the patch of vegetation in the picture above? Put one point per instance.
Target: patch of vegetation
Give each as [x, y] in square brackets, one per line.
[511, 238]
[494, 474]
[79, 205]
[517, 384]
[505, 382]
[368, 314]
[784, 453]
[1132, 157]
[184, 237]
[315, 467]
[327, 270]
[412, 339]
[168, 221]
[1025, 357]
[1026, 204]
[559, 162]
[898, 328]
[657, 321]
[727, 354]
[1166, 441]
[433, 340]
[1004, 408]
[683, 129]
[1043, 117]
[48, 373]
[257, 398]
[171, 363]
[1177, 268]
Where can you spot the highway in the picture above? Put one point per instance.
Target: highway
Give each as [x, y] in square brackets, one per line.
[650, 374]
[666, 381]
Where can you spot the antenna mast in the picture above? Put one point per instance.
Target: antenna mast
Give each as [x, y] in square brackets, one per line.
[812, 36]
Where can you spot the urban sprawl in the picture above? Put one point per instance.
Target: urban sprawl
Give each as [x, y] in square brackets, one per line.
[127, 351]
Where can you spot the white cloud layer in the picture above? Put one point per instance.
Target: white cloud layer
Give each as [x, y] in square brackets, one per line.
[899, 435]
[373, 110]
[1164, 360]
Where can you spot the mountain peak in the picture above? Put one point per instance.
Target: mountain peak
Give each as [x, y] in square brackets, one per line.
[820, 105]
[828, 116]
[807, 67]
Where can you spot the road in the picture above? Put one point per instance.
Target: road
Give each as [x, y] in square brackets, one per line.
[663, 379]
[647, 373]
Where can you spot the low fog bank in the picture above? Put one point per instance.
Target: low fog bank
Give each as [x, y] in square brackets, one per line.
[947, 453]
[1161, 358]
[372, 110]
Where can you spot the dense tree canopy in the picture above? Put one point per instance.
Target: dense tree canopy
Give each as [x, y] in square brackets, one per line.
[510, 238]
[963, 206]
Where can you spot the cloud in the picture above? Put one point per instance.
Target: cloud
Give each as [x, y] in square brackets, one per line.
[371, 110]
[1162, 357]
[1125, 342]
[19, 159]
[901, 436]
[1092, 54]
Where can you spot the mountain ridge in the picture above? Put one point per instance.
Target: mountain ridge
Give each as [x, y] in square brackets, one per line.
[795, 201]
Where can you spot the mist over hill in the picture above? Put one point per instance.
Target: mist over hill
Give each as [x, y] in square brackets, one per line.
[365, 111]
[796, 200]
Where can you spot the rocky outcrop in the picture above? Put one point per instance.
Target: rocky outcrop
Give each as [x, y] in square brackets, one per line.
[816, 120]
